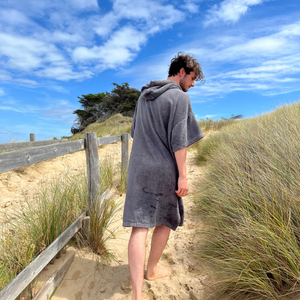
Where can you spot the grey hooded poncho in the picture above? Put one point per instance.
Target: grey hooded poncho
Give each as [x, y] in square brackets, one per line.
[163, 123]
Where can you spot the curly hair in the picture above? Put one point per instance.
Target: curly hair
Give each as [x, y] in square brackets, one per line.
[188, 62]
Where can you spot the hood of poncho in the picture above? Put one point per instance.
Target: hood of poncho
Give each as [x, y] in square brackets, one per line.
[155, 88]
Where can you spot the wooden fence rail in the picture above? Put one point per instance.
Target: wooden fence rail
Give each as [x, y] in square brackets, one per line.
[21, 158]
[13, 160]
[16, 286]
[22, 145]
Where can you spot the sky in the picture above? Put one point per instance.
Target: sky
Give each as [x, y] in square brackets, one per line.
[53, 51]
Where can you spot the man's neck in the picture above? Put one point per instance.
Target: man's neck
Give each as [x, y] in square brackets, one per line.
[174, 78]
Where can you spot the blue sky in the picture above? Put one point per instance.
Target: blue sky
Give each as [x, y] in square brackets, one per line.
[53, 51]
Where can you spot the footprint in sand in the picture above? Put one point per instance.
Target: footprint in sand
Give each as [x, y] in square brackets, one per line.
[76, 275]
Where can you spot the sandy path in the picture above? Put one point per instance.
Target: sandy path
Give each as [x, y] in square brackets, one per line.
[89, 279]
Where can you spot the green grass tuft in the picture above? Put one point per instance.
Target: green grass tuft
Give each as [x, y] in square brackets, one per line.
[58, 203]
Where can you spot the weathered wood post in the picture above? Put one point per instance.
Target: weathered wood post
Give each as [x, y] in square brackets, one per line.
[32, 137]
[125, 150]
[93, 167]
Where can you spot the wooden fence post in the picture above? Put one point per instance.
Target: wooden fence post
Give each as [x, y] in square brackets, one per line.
[93, 166]
[32, 137]
[125, 149]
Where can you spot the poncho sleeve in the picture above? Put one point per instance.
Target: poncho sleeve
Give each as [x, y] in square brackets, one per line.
[186, 130]
[133, 121]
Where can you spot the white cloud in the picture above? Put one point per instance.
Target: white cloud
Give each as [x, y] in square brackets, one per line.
[37, 58]
[25, 53]
[190, 6]
[13, 17]
[61, 110]
[60, 40]
[1, 93]
[206, 117]
[117, 51]
[268, 64]
[26, 82]
[105, 24]
[63, 73]
[146, 15]
[57, 88]
[3, 107]
[229, 11]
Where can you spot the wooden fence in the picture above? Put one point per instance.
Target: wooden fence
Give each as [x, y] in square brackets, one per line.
[32, 143]
[17, 159]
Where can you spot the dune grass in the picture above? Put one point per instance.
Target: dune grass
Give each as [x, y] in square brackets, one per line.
[215, 125]
[108, 127]
[250, 203]
[58, 203]
[206, 146]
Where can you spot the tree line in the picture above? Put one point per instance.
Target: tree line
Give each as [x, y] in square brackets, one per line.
[99, 107]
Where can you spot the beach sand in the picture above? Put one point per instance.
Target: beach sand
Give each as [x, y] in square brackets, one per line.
[89, 278]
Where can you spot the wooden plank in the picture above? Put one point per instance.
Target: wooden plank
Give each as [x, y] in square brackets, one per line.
[93, 166]
[108, 140]
[85, 230]
[125, 150]
[23, 145]
[54, 281]
[16, 286]
[21, 158]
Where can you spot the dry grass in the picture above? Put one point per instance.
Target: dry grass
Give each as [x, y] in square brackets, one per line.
[109, 127]
[58, 203]
[215, 125]
[250, 201]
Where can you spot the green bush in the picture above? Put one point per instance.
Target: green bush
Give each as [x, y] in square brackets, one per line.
[250, 202]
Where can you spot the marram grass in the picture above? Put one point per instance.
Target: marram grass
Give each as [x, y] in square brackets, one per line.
[115, 125]
[250, 202]
[215, 125]
[57, 204]
[206, 146]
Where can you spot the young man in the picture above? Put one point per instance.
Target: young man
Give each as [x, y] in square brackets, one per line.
[163, 127]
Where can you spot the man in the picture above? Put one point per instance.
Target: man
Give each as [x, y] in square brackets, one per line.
[163, 127]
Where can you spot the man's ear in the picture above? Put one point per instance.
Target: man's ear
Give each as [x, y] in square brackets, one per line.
[182, 72]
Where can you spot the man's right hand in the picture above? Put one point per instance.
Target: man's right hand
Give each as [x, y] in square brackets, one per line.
[182, 187]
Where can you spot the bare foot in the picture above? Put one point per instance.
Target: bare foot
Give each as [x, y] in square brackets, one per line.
[159, 273]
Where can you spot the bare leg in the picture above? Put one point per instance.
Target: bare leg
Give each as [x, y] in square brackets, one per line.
[136, 260]
[159, 240]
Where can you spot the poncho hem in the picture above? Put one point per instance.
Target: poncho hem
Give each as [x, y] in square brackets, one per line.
[131, 224]
[189, 143]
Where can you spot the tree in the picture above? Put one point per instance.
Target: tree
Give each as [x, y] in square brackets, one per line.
[233, 117]
[87, 114]
[98, 107]
[122, 99]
